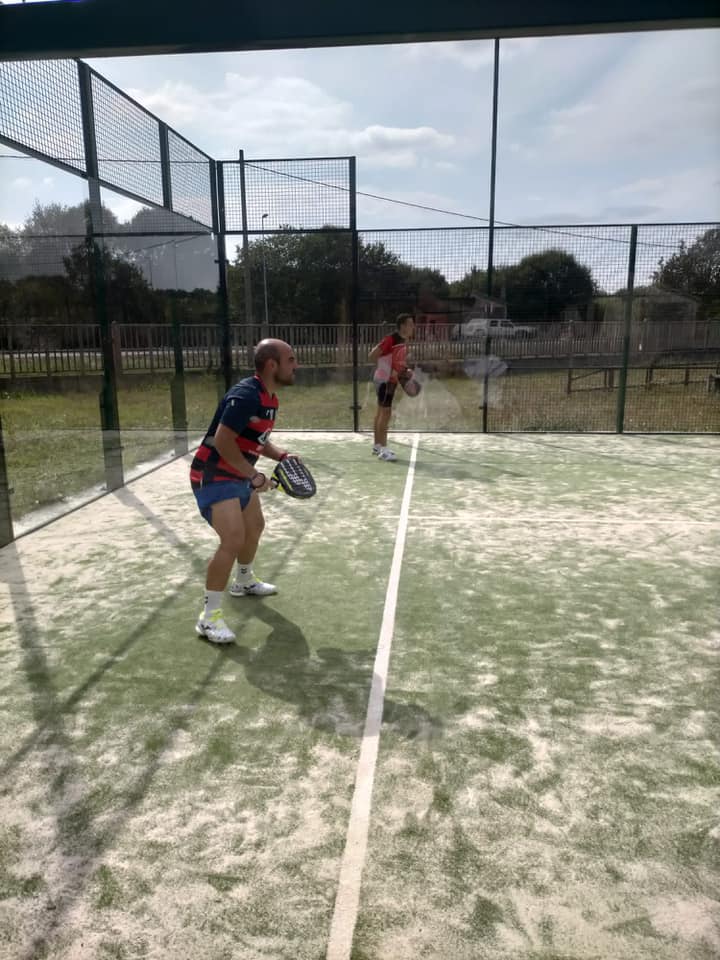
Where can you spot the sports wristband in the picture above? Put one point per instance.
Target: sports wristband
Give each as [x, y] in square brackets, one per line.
[256, 486]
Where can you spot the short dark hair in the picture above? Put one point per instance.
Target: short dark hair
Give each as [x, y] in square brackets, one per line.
[266, 351]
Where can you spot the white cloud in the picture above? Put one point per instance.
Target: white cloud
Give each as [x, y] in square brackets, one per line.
[471, 55]
[640, 106]
[670, 196]
[123, 207]
[286, 116]
[616, 126]
[21, 183]
[424, 208]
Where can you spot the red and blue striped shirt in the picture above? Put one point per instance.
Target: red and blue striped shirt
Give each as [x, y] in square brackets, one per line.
[247, 409]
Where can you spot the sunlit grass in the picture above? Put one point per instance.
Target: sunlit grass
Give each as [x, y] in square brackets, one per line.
[53, 442]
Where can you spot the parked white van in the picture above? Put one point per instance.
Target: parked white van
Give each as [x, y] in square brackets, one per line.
[491, 327]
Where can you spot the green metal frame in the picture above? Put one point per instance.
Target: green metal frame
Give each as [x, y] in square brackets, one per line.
[97, 28]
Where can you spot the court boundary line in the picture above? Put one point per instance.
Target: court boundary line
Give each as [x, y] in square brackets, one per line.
[347, 900]
[591, 521]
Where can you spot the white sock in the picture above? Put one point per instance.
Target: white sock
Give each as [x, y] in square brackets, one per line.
[244, 573]
[213, 601]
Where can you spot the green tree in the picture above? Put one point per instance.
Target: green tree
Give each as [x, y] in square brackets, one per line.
[544, 285]
[540, 287]
[695, 271]
[474, 283]
[309, 278]
[128, 296]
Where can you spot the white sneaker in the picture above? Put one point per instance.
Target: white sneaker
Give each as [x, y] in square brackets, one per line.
[214, 628]
[376, 449]
[386, 454]
[256, 588]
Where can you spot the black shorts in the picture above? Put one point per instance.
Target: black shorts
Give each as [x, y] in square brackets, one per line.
[385, 393]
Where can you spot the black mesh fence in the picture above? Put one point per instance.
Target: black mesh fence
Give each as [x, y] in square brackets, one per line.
[128, 143]
[190, 180]
[40, 110]
[547, 336]
[313, 194]
[147, 293]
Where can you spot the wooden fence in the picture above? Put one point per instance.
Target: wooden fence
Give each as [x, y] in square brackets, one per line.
[42, 349]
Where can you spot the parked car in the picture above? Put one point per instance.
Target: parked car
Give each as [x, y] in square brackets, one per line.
[476, 327]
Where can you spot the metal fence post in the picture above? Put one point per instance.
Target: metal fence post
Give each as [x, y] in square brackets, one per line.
[224, 300]
[622, 387]
[486, 383]
[491, 230]
[355, 265]
[493, 164]
[6, 526]
[109, 413]
[247, 274]
[177, 385]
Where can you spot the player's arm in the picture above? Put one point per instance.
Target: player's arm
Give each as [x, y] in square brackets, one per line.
[237, 414]
[375, 353]
[275, 453]
[226, 445]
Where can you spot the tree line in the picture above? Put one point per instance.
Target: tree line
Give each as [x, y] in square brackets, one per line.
[45, 276]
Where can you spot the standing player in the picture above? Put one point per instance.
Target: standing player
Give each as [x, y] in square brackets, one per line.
[226, 484]
[390, 355]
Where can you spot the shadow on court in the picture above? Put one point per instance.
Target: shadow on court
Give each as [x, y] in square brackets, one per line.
[80, 835]
[451, 466]
[328, 686]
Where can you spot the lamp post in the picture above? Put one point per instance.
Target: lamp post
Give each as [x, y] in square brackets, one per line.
[264, 265]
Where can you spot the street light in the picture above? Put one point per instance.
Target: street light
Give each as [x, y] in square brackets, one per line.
[264, 264]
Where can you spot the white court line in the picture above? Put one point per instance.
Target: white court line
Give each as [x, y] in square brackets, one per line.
[591, 521]
[347, 900]
[539, 518]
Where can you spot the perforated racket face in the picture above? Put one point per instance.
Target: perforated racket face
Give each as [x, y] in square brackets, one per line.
[412, 387]
[295, 479]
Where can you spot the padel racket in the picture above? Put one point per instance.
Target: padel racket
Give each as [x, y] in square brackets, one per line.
[292, 476]
[410, 385]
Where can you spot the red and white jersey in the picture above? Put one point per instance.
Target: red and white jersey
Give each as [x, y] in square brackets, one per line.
[392, 359]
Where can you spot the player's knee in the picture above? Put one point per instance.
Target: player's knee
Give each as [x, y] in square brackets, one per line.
[233, 541]
[255, 529]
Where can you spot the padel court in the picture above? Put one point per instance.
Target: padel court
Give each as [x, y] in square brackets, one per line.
[479, 721]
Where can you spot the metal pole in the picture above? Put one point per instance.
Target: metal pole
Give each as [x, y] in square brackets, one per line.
[6, 525]
[266, 330]
[109, 411]
[226, 363]
[177, 384]
[491, 229]
[354, 291]
[247, 272]
[493, 166]
[620, 422]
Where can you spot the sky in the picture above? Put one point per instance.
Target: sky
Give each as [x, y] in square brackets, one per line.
[607, 128]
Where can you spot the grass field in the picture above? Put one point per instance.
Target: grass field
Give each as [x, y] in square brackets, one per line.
[54, 445]
[546, 784]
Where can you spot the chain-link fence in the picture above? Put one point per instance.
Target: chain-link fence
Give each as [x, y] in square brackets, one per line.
[128, 309]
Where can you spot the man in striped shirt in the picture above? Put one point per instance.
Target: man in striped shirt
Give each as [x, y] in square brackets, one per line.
[226, 483]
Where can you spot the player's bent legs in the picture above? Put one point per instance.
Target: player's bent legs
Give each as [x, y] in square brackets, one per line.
[382, 422]
[254, 521]
[229, 524]
[246, 583]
